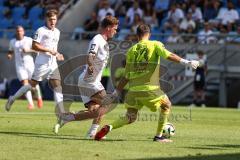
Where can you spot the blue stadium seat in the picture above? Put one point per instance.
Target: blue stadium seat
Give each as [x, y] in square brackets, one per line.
[5, 23]
[18, 12]
[35, 13]
[23, 22]
[2, 10]
[10, 34]
[121, 22]
[2, 2]
[37, 23]
[154, 35]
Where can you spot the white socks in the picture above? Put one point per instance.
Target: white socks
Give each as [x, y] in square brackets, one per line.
[29, 97]
[93, 129]
[58, 97]
[38, 92]
[22, 91]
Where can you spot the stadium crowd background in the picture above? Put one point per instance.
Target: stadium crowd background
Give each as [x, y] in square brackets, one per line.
[208, 19]
[205, 18]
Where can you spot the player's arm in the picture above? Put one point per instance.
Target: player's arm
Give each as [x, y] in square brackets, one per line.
[10, 54]
[29, 50]
[122, 83]
[10, 50]
[38, 47]
[90, 58]
[175, 58]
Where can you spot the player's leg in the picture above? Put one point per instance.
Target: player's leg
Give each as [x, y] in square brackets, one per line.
[58, 96]
[39, 96]
[28, 95]
[23, 90]
[93, 105]
[163, 118]
[129, 118]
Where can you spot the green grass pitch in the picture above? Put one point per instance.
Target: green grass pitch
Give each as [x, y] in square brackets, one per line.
[201, 134]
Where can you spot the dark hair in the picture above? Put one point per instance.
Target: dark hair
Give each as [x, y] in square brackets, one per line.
[51, 12]
[200, 52]
[142, 29]
[109, 21]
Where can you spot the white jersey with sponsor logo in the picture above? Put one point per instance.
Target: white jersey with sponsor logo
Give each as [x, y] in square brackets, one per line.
[49, 39]
[22, 59]
[100, 48]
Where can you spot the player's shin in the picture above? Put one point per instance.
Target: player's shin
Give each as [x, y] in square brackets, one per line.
[163, 118]
[38, 92]
[22, 91]
[29, 97]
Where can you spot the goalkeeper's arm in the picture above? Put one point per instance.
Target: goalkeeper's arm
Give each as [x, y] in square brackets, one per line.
[175, 58]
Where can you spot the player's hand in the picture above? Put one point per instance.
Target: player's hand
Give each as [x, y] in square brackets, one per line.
[9, 56]
[54, 53]
[60, 57]
[109, 98]
[194, 64]
[90, 70]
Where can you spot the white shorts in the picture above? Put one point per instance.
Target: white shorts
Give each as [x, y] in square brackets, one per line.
[87, 89]
[24, 73]
[46, 71]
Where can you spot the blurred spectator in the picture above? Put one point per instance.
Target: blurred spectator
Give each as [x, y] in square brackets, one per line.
[196, 13]
[131, 12]
[3, 87]
[229, 15]
[136, 22]
[205, 36]
[236, 36]
[222, 37]
[175, 37]
[90, 24]
[51, 4]
[150, 16]
[199, 81]
[161, 8]
[174, 17]
[210, 10]
[132, 33]
[187, 21]
[106, 10]
[122, 6]
[189, 36]
[11, 3]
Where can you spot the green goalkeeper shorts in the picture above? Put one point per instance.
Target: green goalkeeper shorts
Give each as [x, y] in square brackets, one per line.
[151, 99]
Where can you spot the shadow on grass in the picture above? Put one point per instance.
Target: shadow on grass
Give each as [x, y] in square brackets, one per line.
[233, 156]
[216, 147]
[52, 136]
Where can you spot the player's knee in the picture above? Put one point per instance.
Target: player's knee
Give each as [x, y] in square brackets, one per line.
[166, 107]
[131, 117]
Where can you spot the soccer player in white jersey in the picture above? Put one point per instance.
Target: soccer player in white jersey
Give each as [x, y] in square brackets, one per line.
[91, 89]
[20, 48]
[45, 42]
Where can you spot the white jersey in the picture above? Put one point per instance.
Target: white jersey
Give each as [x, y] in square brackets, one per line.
[22, 59]
[100, 48]
[49, 39]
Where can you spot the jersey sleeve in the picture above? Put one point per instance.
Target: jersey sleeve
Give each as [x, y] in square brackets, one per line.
[93, 46]
[28, 45]
[128, 64]
[11, 46]
[161, 50]
[37, 36]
